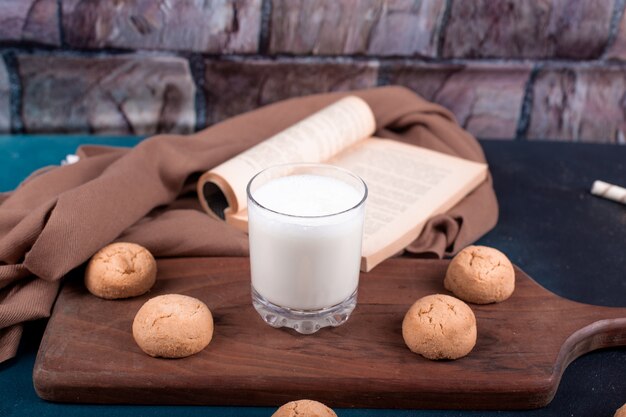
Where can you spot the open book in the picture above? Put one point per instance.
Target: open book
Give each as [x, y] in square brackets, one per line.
[407, 184]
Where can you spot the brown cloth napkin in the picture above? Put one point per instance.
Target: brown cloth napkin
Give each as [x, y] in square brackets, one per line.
[60, 217]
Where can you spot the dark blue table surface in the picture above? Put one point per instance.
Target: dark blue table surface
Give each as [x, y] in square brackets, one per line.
[571, 242]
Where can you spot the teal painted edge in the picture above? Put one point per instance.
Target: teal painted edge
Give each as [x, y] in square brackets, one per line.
[20, 155]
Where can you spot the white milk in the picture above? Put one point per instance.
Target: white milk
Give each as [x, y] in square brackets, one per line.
[305, 263]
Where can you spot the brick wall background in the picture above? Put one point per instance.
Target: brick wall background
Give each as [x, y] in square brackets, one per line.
[508, 69]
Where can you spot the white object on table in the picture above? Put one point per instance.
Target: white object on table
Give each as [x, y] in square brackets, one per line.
[70, 159]
[609, 191]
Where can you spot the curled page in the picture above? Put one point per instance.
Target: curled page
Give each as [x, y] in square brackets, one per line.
[317, 138]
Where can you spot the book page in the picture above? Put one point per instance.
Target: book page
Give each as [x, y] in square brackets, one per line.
[314, 139]
[406, 185]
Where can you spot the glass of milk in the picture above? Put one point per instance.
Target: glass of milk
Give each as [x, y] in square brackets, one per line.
[305, 224]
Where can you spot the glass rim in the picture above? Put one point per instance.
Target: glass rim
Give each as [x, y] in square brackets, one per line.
[313, 165]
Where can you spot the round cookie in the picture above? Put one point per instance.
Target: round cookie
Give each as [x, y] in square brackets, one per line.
[173, 326]
[120, 270]
[621, 412]
[480, 275]
[439, 327]
[304, 408]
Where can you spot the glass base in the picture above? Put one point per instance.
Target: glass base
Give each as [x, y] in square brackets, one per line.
[303, 321]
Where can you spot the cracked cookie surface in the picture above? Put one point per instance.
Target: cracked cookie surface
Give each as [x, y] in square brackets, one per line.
[120, 270]
[621, 412]
[173, 326]
[304, 408]
[439, 326]
[480, 275]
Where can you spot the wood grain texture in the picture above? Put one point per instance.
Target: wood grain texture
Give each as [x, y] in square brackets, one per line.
[524, 344]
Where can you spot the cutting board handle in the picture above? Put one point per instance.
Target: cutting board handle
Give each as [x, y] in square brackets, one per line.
[605, 328]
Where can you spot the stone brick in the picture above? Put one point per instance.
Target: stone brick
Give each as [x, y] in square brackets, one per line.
[30, 21]
[579, 104]
[528, 28]
[618, 49]
[236, 86]
[223, 26]
[5, 99]
[376, 27]
[486, 99]
[108, 95]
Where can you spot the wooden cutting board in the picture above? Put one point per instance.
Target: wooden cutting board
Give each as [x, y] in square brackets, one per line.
[524, 344]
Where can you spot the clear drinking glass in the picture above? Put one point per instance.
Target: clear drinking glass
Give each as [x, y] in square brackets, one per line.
[305, 225]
